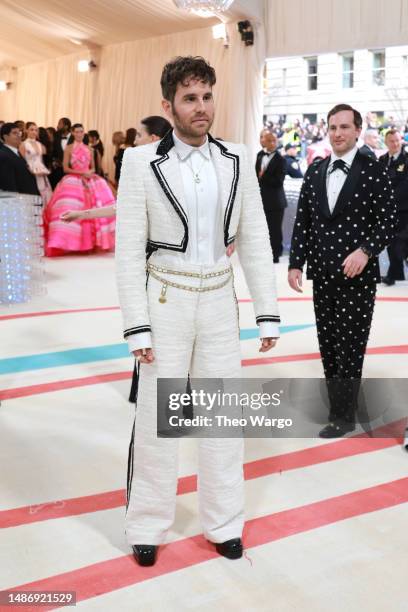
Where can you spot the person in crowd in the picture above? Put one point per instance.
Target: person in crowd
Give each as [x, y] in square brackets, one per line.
[14, 172]
[396, 163]
[370, 143]
[33, 151]
[345, 218]
[151, 129]
[130, 141]
[270, 169]
[162, 188]
[292, 166]
[44, 138]
[22, 127]
[118, 139]
[98, 149]
[81, 186]
[60, 142]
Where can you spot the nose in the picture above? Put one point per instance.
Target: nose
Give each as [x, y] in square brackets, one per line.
[200, 106]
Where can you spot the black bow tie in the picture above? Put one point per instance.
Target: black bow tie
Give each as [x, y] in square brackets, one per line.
[339, 164]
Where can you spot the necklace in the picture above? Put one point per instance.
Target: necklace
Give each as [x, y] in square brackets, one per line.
[196, 174]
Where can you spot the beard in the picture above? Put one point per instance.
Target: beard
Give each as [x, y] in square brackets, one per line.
[192, 130]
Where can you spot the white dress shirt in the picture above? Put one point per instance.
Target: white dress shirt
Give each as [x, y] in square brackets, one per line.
[205, 224]
[64, 142]
[335, 180]
[266, 159]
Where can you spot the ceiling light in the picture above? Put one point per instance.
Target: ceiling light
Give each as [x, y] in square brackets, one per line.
[204, 8]
[219, 31]
[83, 66]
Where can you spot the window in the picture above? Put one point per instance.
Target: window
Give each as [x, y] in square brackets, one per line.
[311, 73]
[312, 117]
[348, 70]
[379, 67]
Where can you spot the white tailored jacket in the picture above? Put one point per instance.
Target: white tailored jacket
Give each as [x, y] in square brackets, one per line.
[151, 215]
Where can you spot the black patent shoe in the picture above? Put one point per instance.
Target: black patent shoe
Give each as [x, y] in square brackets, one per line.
[387, 281]
[336, 430]
[231, 549]
[145, 554]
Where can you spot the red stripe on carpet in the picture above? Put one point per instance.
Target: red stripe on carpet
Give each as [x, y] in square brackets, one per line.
[350, 447]
[107, 576]
[47, 313]
[59, 385]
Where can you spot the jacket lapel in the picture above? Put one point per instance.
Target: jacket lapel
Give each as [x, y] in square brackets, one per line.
[322, 188]
[167, 171]
[227, 169]
[350, 185]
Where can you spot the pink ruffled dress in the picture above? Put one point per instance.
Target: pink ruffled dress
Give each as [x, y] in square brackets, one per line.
[75, 192]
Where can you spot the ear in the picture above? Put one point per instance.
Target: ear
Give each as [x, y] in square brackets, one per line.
[166, 106]
[155, 137]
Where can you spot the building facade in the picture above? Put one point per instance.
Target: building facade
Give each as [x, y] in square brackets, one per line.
[372, 80]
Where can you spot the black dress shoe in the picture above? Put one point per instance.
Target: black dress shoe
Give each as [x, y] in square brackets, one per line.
[232, 549]
[336, 430]
[145, 554]
[387, 281]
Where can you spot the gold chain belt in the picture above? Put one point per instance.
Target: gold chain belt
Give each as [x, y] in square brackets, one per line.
[166, 283]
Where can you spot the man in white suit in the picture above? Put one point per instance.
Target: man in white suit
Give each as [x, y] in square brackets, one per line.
[184, 201]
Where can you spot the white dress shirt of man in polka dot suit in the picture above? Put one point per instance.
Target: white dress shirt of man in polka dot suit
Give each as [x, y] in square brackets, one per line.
[345, 218]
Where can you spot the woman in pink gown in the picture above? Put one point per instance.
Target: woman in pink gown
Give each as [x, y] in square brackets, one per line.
[80, 189]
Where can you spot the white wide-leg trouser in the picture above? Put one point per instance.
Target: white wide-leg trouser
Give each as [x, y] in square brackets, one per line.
[196, 333]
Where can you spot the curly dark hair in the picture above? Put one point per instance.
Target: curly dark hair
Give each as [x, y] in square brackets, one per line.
[182, 70]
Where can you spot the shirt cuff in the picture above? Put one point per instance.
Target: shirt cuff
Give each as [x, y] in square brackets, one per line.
[267, 329]
[139, 341]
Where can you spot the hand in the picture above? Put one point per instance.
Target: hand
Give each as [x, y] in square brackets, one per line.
[295, 279]
[267, 344]
[87, 175]
[70, 215]
[355, 263]
[230, 249]
[144, 355]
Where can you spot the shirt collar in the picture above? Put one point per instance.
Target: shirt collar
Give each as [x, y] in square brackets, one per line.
[348, 158]
[14, 149]
[183, 149]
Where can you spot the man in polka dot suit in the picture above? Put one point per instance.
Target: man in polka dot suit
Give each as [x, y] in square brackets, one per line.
[345, 218]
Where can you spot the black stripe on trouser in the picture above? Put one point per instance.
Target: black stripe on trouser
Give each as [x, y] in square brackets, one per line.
[343, 320]
[132, 439]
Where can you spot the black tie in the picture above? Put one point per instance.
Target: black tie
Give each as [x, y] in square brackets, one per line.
[339, 164]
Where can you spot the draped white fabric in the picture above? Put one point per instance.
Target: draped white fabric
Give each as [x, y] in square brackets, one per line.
[126, 85]
[301, 27]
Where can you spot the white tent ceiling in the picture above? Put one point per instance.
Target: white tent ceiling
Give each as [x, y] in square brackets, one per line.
[37, 30]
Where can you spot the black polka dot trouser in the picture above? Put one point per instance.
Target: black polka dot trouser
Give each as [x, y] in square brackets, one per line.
[343, 320]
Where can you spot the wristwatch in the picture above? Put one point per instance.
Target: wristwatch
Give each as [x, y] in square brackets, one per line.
[366, 251]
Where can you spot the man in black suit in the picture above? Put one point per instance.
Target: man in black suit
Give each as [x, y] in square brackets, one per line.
[270, 170]
[396, 162]
[345, 218]
[60, 142]
[370, 143]
[14, 172]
